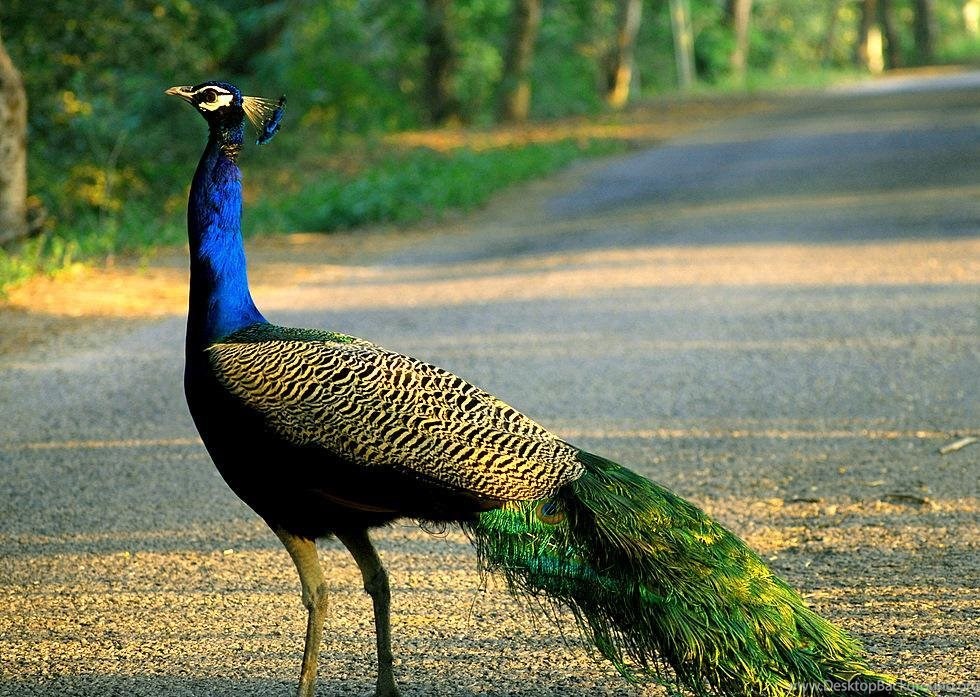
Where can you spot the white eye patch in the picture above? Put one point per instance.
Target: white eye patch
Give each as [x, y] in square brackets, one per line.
[213, 98]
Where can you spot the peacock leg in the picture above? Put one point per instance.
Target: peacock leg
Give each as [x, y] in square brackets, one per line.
[303, 552]
[376, 584]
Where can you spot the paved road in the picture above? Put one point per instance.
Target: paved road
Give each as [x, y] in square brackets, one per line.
[778, 318]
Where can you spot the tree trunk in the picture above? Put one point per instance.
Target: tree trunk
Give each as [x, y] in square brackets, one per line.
[925, 30]
[13, 151]
[515, 86]
[971, 17]
[738, 13]
[619, 64]
[440, 63]
[892, 49]
[869, 48]
[680, 21]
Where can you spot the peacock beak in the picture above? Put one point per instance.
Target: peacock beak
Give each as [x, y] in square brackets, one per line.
[182, 91]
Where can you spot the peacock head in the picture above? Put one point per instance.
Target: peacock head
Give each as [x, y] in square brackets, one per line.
[225, 108]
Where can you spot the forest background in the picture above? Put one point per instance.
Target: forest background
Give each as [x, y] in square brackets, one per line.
[397, 112]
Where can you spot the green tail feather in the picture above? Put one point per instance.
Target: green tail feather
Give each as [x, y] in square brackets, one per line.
[664, 592]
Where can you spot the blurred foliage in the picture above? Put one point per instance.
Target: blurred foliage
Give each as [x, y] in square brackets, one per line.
[386, 189]
[94, 73]
[111, 158]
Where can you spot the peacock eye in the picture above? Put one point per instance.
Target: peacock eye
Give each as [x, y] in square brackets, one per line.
[209, 96]
[549, 512]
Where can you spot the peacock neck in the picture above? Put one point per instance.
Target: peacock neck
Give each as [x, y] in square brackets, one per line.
[220, 300]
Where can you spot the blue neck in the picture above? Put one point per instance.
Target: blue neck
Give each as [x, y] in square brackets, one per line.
[220, 300]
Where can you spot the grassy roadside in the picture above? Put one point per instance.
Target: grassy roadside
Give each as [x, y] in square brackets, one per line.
[388, 185]
[406, 185]
[403, 179]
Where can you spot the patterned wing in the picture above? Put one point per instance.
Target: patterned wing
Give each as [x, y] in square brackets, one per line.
[383, 409]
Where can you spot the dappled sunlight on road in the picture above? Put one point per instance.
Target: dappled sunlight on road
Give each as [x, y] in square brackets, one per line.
[642, 123]
[594, 273]
[927, 200]
[286, 285]
[107, 618]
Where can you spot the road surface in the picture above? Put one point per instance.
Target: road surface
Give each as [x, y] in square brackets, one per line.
[776, 317]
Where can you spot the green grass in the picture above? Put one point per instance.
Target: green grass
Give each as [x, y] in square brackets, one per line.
[398, 186]
[90, 237]
[411, 186]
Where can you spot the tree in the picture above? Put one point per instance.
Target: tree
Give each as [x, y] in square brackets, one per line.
[514, 101]
[680, 21]
[892, 47]
[878, 45]
[619, 63]
[13, 151]
[441, 60]
[737, 13]
[924, 30]
[869, 48]
[971, 17]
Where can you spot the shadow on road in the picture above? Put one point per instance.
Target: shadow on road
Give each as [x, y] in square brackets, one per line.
[844, 169]
[169, 686]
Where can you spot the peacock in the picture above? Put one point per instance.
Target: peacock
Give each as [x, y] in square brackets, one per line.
[324, 434]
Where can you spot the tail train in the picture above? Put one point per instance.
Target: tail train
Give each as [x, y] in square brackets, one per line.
[666, 593]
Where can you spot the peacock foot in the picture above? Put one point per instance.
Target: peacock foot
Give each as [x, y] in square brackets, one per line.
[386, 686]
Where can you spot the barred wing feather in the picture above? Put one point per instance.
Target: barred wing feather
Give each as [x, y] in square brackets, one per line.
[383, 409]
